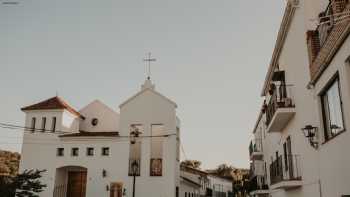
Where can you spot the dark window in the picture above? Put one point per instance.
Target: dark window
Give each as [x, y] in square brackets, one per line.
[185, 194]
[94, 121]
[89, 151]
[43, 124]
[105, 151]
[332, 110]
[53, 127]
[33, 125]
[60, 152]
[285, 156]
[75, 152]
[177, 191]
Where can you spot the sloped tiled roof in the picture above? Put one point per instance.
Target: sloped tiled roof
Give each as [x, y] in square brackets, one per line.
[52, 103]
[92, 134]
[336, 38]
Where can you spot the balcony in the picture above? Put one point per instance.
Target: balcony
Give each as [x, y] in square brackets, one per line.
[285, 172]
[258, 168]
[257, 187]
[281, 108]
[255, 149]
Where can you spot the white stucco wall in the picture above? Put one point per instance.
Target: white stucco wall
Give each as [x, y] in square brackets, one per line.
[149, 109]
[334, 160]
[187, 189]
[39, 149]
[219, 184]
[108, 120]
[294, 61]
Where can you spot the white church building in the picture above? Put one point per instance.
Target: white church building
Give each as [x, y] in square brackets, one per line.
[96, 151]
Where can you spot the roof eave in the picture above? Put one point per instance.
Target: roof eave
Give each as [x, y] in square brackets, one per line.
[282, 34]
[144, 90]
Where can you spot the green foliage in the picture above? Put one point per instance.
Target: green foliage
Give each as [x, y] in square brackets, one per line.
[192, 163]
[224, 170]
[26, 184]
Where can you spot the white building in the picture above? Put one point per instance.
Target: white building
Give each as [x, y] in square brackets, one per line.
[195, 182]
[329, 52]
[89, 153]
[306, 86]
[220, 187]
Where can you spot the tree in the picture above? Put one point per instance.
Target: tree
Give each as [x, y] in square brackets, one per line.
[192, 163]
[26, 184]
[224, 170]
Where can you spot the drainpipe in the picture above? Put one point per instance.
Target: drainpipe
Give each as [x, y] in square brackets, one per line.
[320, 187]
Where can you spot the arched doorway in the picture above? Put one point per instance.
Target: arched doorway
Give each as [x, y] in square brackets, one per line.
[70, 181]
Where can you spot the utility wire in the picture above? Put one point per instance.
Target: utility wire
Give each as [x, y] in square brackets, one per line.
[183, 151]
[48, 131]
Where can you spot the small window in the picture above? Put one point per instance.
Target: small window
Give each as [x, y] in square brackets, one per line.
[105, 151]
[60, 152]
[53, 127]
[43, 124]
[94, 121]
[75, 152]
[32, 127]
[90, 151]
[332, 110]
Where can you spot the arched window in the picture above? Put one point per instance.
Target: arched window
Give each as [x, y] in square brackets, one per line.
[32, 127]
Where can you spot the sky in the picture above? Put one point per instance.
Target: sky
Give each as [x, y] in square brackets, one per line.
[212, 57]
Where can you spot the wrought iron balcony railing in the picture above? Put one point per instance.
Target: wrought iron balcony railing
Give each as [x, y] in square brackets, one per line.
[281, 97]
[285, 168]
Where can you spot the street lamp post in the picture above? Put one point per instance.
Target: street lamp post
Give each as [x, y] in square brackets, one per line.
[134, 165]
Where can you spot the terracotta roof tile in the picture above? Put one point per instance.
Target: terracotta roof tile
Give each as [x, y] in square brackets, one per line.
[52, 103]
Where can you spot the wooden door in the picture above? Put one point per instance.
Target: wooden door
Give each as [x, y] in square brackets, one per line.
[116, 189]
[76, 184]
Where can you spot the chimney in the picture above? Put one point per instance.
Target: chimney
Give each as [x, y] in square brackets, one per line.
[338, 5]
[313, 44]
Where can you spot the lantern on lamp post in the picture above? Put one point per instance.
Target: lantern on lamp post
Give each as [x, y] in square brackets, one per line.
[310, 133]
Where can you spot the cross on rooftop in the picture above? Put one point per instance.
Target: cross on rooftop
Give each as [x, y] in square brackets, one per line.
[149, 60]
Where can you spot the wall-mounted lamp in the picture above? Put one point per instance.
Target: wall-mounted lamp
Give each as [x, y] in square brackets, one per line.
[134, 134]
[310, 132]
[104, 173]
